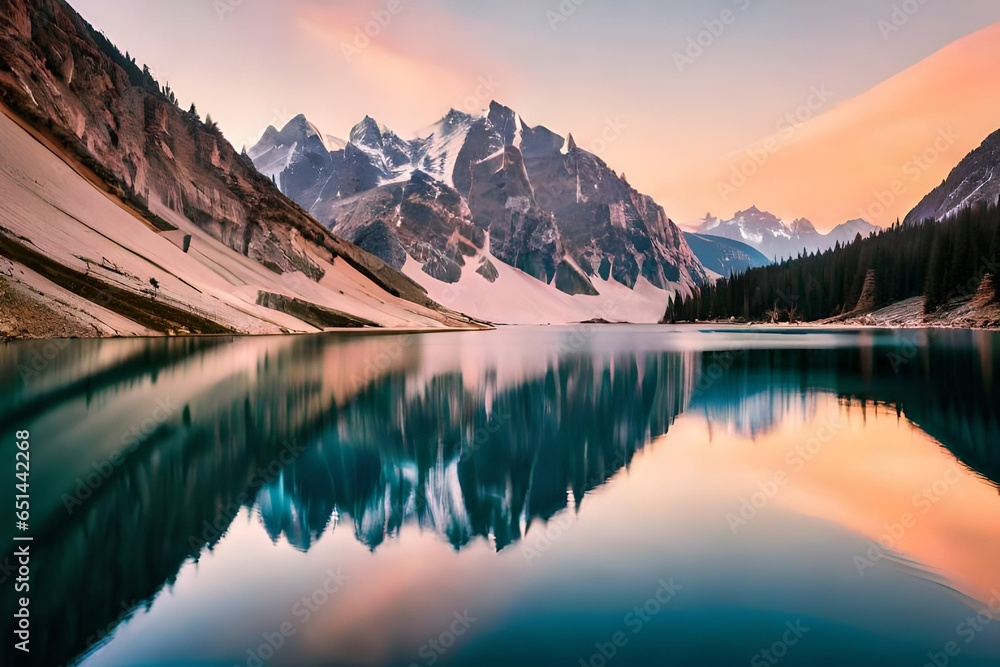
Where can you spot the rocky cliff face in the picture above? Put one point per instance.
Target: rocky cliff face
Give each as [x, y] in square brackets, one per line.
[537, 202]
[976, 179]
[65, 79]
[419, 218]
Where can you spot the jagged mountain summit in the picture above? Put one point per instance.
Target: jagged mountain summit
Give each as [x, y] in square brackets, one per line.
[503, 220]
[275, 150]
[976, 179]
[779, 240]
[123, 214]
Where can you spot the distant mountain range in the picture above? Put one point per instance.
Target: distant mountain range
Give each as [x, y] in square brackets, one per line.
[725, 256]
[976, 179]
[505, 221]
[938, 268]
[779, 240]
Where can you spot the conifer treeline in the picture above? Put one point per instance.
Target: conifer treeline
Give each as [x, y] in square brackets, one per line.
[144, 78]
[940, 260]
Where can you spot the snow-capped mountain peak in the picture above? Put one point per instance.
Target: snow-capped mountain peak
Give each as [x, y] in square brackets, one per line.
[366, 133]
[389, 154]
[456, 117]
[755, 225]
[278, 149]
[778, 240]
[487, 198]
[300, 129]
[802, 228]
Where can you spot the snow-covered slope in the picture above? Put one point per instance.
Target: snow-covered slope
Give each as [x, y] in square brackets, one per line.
[514, 297]
[976, 179]
[122, 213]
[476, 194]
[58, 230]
[437, 152]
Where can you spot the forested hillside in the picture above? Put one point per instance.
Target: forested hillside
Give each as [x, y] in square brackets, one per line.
[942, 261]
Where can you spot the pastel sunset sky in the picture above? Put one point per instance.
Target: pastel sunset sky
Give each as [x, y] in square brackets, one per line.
[717, 128]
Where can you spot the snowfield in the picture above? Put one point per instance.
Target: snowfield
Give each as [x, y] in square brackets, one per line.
[517, 298]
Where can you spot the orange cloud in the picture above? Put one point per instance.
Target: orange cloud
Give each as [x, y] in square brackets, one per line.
[874, 156]
[390, 63]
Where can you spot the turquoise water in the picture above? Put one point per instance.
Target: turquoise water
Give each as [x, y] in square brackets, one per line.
[551, 496]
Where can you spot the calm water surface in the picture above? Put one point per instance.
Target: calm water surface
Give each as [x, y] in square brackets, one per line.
[531, 496]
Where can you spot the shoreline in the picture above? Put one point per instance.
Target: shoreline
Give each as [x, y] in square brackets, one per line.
[336, 332]
[832, 326]
[405, 331]
[971, 313]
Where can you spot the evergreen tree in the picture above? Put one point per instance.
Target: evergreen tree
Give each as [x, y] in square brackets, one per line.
[938, 260]
[995, 248]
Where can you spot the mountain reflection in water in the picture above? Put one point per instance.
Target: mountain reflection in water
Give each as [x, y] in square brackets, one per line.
[472, 437]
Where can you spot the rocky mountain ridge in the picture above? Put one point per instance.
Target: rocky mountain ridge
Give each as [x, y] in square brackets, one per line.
[974, 180]
[476, 195]
[183, 193]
